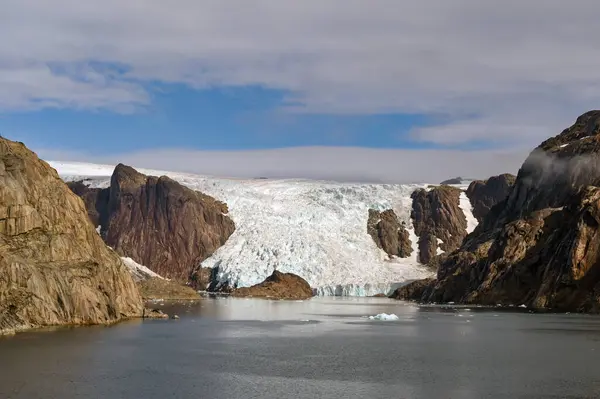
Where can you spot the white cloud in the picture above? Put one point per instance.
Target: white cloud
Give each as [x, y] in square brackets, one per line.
[328, 163]
[509, 66]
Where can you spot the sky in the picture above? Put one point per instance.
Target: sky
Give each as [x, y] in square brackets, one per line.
[380, 90]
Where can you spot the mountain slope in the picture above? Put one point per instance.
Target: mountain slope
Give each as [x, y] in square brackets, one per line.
[54, 267]
[316, 230]
[541, 245]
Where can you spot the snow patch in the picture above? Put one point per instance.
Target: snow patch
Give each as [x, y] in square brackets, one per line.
[384, 317]
[439, 250]
[138, 271]
[467, 209]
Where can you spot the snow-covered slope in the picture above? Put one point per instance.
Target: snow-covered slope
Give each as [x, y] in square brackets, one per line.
[139, 272]
[311, 228]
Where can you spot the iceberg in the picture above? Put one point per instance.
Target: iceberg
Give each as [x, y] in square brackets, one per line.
[384, 317]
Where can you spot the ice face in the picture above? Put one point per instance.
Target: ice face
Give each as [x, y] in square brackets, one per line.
[384, 317]
[317, 230]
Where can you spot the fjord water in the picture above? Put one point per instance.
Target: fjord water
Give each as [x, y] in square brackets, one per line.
[322, 348]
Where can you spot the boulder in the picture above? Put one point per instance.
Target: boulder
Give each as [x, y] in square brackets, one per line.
[278, 286]
[388, 233]
[54, 267]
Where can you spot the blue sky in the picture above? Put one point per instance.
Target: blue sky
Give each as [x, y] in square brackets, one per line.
[208, 119]
[460, 86]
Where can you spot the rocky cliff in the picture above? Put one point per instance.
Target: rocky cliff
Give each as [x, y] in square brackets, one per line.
[158, 222]
[54, 267]
[388, 233]
[484, 194]
[278, 286]
[541, 245]
[438, 220]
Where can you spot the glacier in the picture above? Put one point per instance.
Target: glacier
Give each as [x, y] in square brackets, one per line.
[315, 229]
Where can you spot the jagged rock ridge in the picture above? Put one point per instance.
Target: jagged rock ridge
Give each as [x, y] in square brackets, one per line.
[54, 268]
[388, 233]
[158, 222]
[541, 245]
[484, 194]
[438, 220]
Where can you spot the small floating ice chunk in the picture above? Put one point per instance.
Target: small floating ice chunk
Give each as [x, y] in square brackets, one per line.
[384, 317]
[523, 306]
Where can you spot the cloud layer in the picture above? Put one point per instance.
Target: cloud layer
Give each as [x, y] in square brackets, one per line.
[322, 163]
[510, 72]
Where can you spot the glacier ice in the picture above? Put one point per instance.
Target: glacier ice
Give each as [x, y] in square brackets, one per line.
[384, 317]
[315, 229]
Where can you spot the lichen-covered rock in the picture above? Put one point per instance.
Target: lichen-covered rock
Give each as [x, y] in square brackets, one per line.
[158, 288]
[278, 286]
[438, 220]
[158, 222]
[388, 233]
[484, 194]
[541, 245]
[54, 267]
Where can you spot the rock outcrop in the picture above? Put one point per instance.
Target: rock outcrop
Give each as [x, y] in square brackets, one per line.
[438, 220]
[388, 233]
[454, 180]
[278, 286]
[484, 194]
[54, 267]
[541, 245]
[158, 222]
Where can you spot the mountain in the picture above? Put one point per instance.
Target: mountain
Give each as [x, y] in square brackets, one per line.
[540, 246]
[484, 194]
[317, 230]
[156, 221]
[54, 267]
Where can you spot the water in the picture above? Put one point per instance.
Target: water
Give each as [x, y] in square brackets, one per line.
[322, 348]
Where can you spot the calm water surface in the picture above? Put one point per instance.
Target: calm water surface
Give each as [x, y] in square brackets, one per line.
[322, 348]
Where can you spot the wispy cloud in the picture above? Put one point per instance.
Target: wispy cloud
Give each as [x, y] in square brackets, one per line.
[516, 70]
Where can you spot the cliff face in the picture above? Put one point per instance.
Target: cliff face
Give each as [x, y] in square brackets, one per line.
[54, 268]
[388, 233]
[158, 222]
[541, 245]
[438, 218]
[484, 194]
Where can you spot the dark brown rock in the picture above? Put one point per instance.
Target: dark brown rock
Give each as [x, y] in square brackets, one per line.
[158, 222]
[436, 214]
[202, 278]
[455, 180]
[154, 314]
[414, 291]
[541, 246]
[388, 233]
[54, 268]
[95, 199]
[484, 194]
[278, 286]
